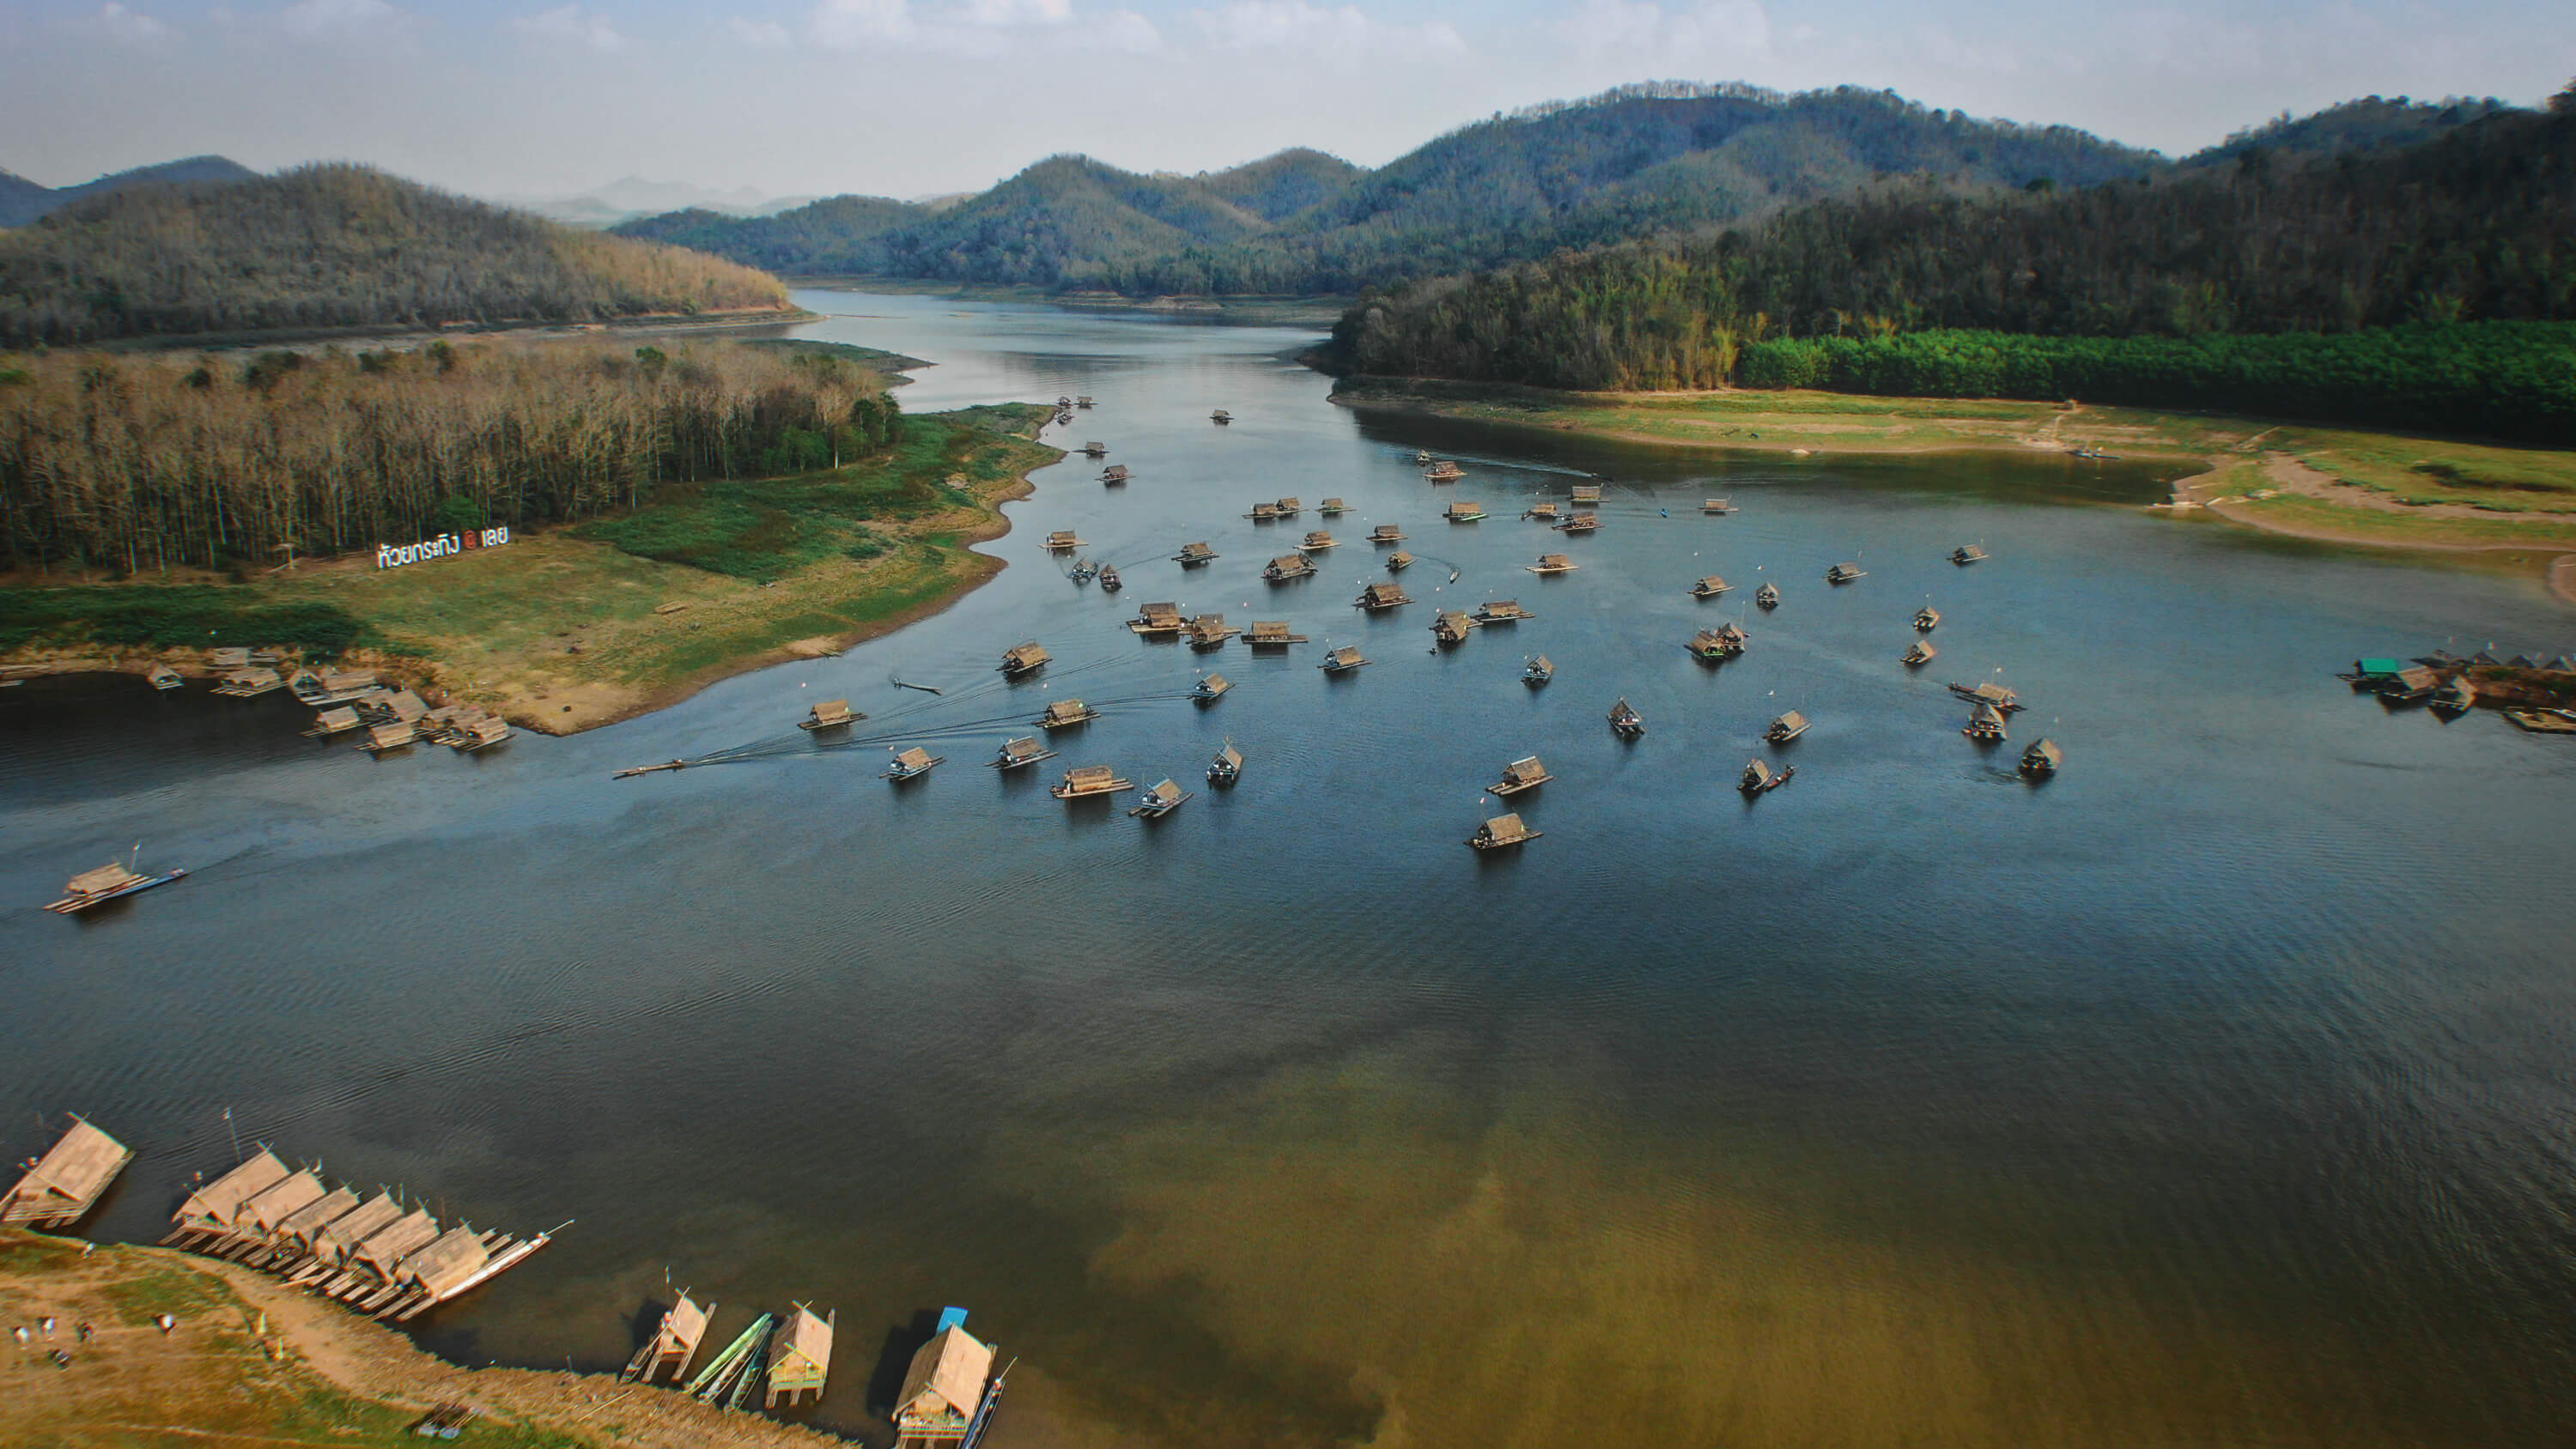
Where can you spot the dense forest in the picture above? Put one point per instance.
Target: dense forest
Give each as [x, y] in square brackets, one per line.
[1634, 162]
[2474, 225]
[242, 461]
[332, 246]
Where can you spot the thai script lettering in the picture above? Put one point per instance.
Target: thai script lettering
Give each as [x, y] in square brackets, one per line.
[395, 555]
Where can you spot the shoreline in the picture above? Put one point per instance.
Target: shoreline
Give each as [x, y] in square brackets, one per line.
[659, 605]
[2203, 489]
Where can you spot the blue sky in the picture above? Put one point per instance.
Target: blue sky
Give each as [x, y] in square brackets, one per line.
[917, 97]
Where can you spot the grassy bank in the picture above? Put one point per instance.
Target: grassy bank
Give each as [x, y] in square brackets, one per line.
[2339, 484]
[568, 628]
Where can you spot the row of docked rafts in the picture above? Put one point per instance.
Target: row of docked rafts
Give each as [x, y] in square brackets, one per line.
[380, 1255]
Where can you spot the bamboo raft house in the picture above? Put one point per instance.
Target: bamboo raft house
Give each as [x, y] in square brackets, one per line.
[1554, 563]
[2457, 697]
[1317, 539]
[1159, 801]
[911, 764]
[1343, 660]
[1158, 618]
[1210, 689]
[64, 1184]
[1398, 561]
[944, 1389]
[1453, 626]
[1710, 587]
[1968, 553]
[1989, 693]
[2542, 721]
[1227, 767]
[1332, 508]
[1192, 555]
[1378, 597]
[1065, 714]
[246, 683]
[1719, 506]
[1288, 507]
[1083, 401]
[1210, 631]
[1985, 724]
[1767, 596]
[1220, 416]
[1271, 634]
[1288, 566]
[332, 686]
[1714, 646]
[1539, 672]
[1020, 750]
[1115, 474]
[1022, 660]
[1444, 471]
[674, 1342]
[830, 714]
[1387, 533]
[475, 736]
[1580, 523]
[1502, 831]
[162, 676]
[800, 1357]
[1544, 512]
[1625, 721]
[2411, 685]
[233, 656]
[1786, 728]
[1083, 781]
[1927, 619]
[216, 1206]
[1920, 654]
[1759, 778]
[1462, 511]
[1063, 540]
[1502, 611]
[1264, 513]
[1843, 573]
[2042, 758]
[1064, 402]
[384, 739]
[335, 1241]
[393, 706]
[112, 881]
[1525, 773]
[1095, 450]
[1587, 493]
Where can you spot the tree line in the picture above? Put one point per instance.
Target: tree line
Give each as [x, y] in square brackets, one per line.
[329, 246]
[135, 464]
[1877, 292]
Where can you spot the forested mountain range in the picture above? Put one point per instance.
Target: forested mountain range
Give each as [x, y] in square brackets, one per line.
[1642, 161]
[23, 201]
[1918, 286]
[333, 246]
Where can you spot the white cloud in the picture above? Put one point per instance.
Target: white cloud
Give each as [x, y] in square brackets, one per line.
[975, 27]
[1346, 31]
[126, 27]
[761, 34]
[571, 25]
[1713, 32]
[349, 22]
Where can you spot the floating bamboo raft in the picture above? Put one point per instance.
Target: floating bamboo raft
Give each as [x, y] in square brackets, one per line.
[61, 1187]
[1503, 831]
[1192, 555]
[1382, 596]
[1271, 634]
[674, 1342]
[1554, 563]
[1525, 773]
[1710, 587]
[1084, 781]
[830, 714]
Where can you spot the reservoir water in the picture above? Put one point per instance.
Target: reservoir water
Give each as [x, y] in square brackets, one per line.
[2220, 1091]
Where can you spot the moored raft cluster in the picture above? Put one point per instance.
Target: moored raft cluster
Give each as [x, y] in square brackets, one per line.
[378, 1254]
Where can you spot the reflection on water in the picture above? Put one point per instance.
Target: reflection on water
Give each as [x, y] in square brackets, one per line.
[2214, 1092]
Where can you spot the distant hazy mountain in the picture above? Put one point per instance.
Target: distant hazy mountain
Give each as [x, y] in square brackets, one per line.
[633, 196]
[333, 246]
[22, 201]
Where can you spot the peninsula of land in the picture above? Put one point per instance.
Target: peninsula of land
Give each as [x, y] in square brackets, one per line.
[2516, 505]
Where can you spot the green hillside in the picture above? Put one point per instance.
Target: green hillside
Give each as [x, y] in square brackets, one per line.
[333, 246]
